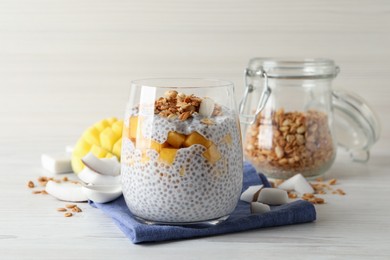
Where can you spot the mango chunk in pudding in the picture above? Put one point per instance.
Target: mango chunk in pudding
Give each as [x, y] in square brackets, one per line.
[168, 155]
[196, 138]
[133, 127]
[175, 139]
[212, 154]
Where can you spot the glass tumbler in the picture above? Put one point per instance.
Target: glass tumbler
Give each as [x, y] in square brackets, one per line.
[182, 159]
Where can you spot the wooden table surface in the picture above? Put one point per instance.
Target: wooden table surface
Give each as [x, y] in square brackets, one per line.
[67, 64]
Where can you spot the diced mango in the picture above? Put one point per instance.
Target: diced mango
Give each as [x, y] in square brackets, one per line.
[175, 139]
[133, 125]
[182, 171]
[145, 158]
[168, 155]
[227, 139]
[77, 164]
[100, 141]
[98, 151]
[117, 148]
[196, 138]
[108, 138]
[212, 154]
[109, 155]
[92, 136]
[101, 125]
[117, 127]
[82, 147]
[157, 146]
[111, 120]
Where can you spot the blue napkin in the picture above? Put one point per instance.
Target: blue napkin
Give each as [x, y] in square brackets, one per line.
[240, 220]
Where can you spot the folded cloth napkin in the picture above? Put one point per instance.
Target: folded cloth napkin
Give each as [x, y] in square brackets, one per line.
[240, 220]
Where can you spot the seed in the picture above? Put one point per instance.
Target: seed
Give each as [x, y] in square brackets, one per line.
[68, 214]
[292, 195]
[207, 121]
[30, 184]
[70, 206]
[44, 192]
[301, 129]
[332, 182]
[37, 192]
[279, 152]
[319, 200]
[61, 209]
[76, 209]
[65, 178]
[308, 195]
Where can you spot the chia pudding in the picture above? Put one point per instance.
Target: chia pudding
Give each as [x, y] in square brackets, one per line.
[178, 169]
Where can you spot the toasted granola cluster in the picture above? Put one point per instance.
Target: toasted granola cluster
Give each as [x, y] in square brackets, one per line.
[179, 105]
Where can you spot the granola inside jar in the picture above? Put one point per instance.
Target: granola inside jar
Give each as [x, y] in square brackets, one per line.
[287, 113]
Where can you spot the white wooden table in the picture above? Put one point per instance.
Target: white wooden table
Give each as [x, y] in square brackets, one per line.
[66, 64]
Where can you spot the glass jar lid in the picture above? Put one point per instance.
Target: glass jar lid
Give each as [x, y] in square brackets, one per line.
[356, 125]
[316, 68]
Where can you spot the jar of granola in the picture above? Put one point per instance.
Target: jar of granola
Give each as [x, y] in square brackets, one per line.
[288, 117]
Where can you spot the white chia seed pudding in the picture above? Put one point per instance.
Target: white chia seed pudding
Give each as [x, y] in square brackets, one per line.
[191, 188]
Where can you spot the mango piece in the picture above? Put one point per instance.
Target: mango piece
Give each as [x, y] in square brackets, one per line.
[108, 138]
[101, 125]
[196, 138]
[175, 139]
[117, 148]
[111, 120]
[109, 155]
[227, 139]
[77, 164]
[212, 154]
[144, 158]
[92, 136]
[82, 148]
[133, 125]
[117, 127]
[157, 146]
[98, 151]
[168, 155]
[101, 142]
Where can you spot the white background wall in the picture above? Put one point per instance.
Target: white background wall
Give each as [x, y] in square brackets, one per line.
[68, 63]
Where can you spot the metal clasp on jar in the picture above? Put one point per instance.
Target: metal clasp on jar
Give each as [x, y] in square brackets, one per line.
[249, 88]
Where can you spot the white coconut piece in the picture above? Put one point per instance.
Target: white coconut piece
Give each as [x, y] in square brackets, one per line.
[273, 196]
[102, 193]
[302, 186]
[109, 166]
[56, 164]
[289, 184]
[66, 191]
[89, 176]
[251, 193]
[206, 107]
[259, 208]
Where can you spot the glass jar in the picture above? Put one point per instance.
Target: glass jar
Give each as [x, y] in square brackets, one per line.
[287, 110]
[182, 161]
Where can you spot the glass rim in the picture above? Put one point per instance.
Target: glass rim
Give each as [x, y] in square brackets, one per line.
[275, 61]
[181, 83]
[294, 68]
